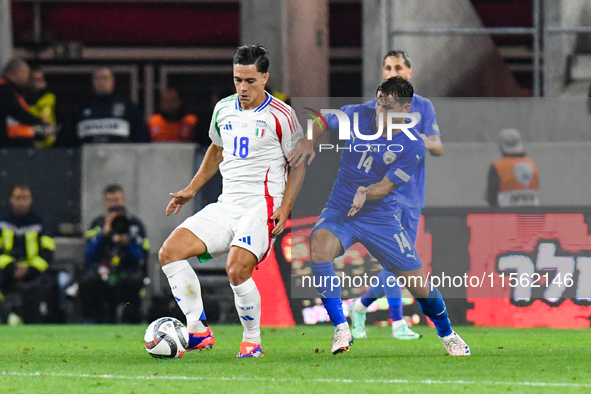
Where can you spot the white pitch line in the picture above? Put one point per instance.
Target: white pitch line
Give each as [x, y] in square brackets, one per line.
[240, 379]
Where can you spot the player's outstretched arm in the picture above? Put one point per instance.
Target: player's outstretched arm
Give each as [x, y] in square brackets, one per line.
[433, 144]
[292, 189]
[209, 167]
[375, 191]
[305, 147]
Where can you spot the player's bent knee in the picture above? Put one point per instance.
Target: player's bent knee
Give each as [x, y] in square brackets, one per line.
[171, 252]
[238, 273]
[240, 265]
[320, 255]
[180, 245]
[235, 275]
[165, 255]
[324, 246]
[321, 252]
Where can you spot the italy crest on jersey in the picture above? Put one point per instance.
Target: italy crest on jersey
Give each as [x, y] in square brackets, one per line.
[389, 157]
[260, 130]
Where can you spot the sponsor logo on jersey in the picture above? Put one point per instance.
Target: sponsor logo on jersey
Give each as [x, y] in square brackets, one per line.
[260, 129]
[228, 126]
[389, 157]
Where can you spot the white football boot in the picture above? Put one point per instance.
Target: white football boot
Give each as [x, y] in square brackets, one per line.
[455, 345]
[342, 339]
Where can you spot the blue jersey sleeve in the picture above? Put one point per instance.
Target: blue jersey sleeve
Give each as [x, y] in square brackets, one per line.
[333, 122]
[406, 165]
[429, 125]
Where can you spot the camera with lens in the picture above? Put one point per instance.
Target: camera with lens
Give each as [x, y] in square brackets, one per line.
[120, 224]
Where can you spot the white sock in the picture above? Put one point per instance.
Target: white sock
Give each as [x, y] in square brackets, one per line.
[359, 307]
[342, 326]
[248, 304]
[398, 323]
[187, 292]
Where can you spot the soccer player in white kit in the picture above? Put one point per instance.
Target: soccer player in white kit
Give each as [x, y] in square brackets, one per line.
[252, 134]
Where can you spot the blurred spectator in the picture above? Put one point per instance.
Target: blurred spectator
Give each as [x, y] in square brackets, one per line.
[15, 118]
[115, 263]
[172, 123]
[29, 289]
[513, 179]
[41, 103]
[109, 117]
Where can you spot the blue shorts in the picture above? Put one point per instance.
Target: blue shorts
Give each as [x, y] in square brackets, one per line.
[382, 236]
[409, 219]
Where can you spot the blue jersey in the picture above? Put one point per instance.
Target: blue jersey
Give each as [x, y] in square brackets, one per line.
[413, 193]
[364, 163]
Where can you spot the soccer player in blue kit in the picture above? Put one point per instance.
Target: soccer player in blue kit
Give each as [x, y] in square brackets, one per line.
[410, 200]
[362, 208]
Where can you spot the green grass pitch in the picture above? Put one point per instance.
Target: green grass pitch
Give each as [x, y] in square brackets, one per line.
[112, 359]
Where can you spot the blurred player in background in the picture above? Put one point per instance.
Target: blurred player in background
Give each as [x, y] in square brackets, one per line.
[360, 209]
[252, 134]
[410, 199]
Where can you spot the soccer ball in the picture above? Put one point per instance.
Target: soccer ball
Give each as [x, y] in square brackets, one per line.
[166, 338]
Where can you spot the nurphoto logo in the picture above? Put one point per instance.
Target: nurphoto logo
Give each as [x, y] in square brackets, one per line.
[345, 132]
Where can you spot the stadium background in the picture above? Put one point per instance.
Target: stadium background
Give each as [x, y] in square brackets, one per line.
[330, 48]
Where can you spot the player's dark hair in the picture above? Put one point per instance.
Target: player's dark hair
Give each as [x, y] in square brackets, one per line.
[400, 54]
[19, 185]
[13, 65]
[113, 188]
[397, 87]
[252, 54]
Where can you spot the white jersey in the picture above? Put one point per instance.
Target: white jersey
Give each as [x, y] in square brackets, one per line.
[255, 144]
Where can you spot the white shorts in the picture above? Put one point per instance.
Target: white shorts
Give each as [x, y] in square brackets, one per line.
[247, 225]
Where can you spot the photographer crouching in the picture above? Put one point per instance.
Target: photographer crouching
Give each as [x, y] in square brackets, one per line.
[115, 264]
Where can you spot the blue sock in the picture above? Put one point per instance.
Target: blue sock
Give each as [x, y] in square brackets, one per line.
[373, 293]
[393, 292]
[331, 297]
[434, 308]
[395, 307]
[366, 302]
